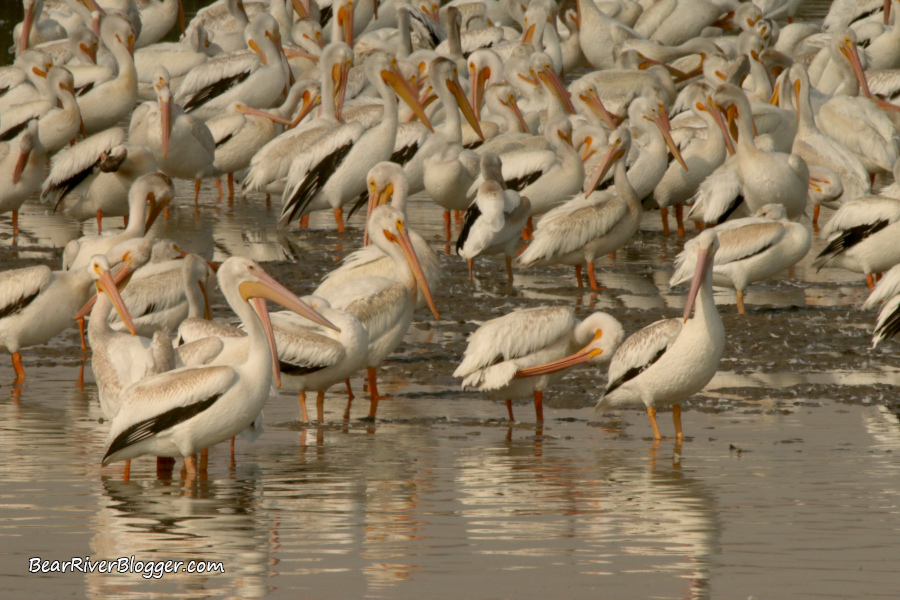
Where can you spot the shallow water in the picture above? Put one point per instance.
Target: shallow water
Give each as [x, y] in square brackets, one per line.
[787, 486]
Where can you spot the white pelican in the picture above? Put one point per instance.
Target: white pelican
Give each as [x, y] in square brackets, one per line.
[822, 150]
[857, 122]
[157, 19]
[590, 225]
[111, 101]
[22, 163]
[224, 21]
[672, 359]
[861, 237]
[91, 179]
[26, 80]
[33, 30]
[495, 220]
[751, 176]
[751, 249]
[153, 191]
[256, 78]
[842, 13]
[37, 303]
[178, 58]
[702, 156]
[386, 182]
[333, 172]
[58, 116]
[385, 306]
[447, 171]
[187, 410]
[121, 358]
[181, 144]
[313, 358]
[523, 352]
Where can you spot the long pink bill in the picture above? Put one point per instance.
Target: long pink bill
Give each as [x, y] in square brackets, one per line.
[121, 276]
[662, 124]
[405, 243]
[268, 288]
[262, 310]
[26, 29]
[108, 286]
[556, 87]
[703, 259]
[720, 121]
[612, 155]
[20, 166]
[580, 357]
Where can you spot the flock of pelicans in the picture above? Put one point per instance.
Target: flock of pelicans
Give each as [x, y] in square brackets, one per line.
[729, 108]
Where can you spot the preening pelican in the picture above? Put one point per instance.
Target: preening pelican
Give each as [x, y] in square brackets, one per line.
[524, 352]
[21, 171]
[750, 249]
[670, 360]
[184, 411]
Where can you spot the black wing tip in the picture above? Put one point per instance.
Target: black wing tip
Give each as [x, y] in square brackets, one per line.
[472, 214]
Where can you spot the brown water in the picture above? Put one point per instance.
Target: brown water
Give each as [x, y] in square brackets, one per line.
[788, 485]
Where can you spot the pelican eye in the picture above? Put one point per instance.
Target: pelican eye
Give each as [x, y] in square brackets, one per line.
[400, 225]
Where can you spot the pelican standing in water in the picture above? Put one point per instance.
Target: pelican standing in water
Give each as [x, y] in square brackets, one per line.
[184, 411]
[385, 306]
[21, 171]
[522, 353]
[670, 360]
[751, 249]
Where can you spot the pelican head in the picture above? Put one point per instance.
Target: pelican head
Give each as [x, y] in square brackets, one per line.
[255, 286]
[773, 211]
[150, 194]
[335, 61]
[491, 168]
[501, 97]
[542, 70]
[599, 335]
[386, 183]
[844, 51]
[84, 45]
[195, 270]
[263, 37]
[618, 148]
[643, 109]
[388, 230]
[707, 245]
[484, 67]
[116, 30]
[99, 270]
[382, 69]
[444, 75]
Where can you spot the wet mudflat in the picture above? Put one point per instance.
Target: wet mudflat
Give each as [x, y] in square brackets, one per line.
[787, 485]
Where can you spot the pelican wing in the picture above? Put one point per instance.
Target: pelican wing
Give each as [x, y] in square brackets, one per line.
[377, 302]
[885, 289]
[515, 335]
[862, 127]
[16, 119]
[854, 222]
[200, 352]
[215, 77]
[522, 168]
[888, 323]
[719, 195]
[153, 294]
[19, 288]
[410, 137]
[225, 128]
[158, 403]
[197, 329]
[71, 166]
[274, 160]
[303, 347]
[569, 227]
[640, 351]
[311, 170]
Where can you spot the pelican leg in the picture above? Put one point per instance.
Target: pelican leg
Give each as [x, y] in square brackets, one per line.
[164, 465]
[740, 302]
[15, 224]
[304, 222]
[528, 232]
[320, 406]
[231, 186]
[303, 415]
[190, 464]
[99, 221]
[509, 409]
[878, 277]
[578, 279]
[816, 210]
[204, 460]
[664, 214]
[539, 406]
[350, 395]
[447, 224]
[651, 412]
[219, 187]
[592, 277]
[374, 397]
[126, 475]
[676, 418]
[339, 219]
[232, 452]
[471, 263]
[17, 367]
[679, 218]
[81, 333]
[197, 183]
[870, 281]
[125, 219]
[509, 271]
[698, 225]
